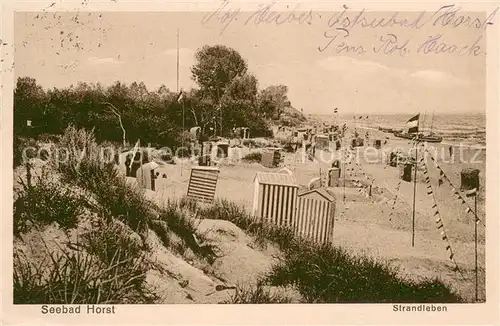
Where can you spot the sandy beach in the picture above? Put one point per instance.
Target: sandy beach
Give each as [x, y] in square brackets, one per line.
[362, 223]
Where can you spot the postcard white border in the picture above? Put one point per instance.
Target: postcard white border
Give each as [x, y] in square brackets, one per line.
[472, 314]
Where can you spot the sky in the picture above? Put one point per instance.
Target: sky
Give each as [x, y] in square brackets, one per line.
[63, 48]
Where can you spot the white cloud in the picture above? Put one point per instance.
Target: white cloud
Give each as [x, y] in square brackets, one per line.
[364, 67]
[438, 77]
[354, 66]
[96, 60]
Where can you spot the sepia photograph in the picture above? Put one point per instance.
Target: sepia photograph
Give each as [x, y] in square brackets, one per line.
[280, 155]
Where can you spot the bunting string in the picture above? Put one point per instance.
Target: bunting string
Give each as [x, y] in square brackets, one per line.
[395, 199]
[439, 222]
[442, 175]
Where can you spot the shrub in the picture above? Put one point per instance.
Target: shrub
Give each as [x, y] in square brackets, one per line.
[249, 143]
[20, 145]
[182, 152]
[226, 210]
[332, 275]
[253, 157]
[111, 239]
[324, 273]
[48, 138]
[114, 196]
[44, 202]
[126, 203]
[184, 227]
[189, 204]
[75, 277]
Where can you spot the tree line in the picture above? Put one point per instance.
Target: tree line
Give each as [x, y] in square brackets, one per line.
[125, 113]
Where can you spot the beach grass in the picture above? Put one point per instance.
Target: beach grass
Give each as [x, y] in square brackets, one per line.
[328, 274]
[96, 275]
[42, 201]
[116, 246]
[256, 295]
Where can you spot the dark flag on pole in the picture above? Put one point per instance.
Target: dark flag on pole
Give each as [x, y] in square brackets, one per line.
[412, 124]
[471, 192]
[180, 97]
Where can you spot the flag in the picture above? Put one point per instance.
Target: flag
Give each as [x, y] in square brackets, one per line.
[471, 193]
[412, 124]
[134, 151]
[180, 97]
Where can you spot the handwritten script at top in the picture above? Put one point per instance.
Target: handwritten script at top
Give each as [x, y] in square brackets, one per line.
[340, 26]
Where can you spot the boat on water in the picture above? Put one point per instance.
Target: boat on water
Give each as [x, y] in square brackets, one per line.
[431, 138]
[412, 132]
[388, 130]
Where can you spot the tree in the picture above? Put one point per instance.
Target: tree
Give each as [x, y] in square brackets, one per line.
[139, 91]
[117, 113]
[239, 102]
[242, 88]
[29, 103]
[201, 110]
[273, 100]
[216, 67]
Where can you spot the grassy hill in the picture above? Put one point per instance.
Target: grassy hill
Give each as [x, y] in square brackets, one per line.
[86, 234]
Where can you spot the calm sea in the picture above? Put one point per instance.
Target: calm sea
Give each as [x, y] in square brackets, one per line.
[465, 128]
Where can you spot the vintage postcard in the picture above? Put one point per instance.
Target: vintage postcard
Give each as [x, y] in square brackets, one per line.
[229, 162]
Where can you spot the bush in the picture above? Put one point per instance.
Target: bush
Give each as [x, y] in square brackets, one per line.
[110, 240]
[327, 274]
[323, 273]
[114, 196]
[48, 138]
[226, 210]
[44, 202]
[288, 145]
[75, 277]
[23, 144]
[184, 227]
[249, 143]
[126, 203]
[182, 152]
[255, 157]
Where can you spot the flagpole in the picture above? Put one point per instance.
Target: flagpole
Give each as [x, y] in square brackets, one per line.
[414, 189]
[475, 241]
[414, 196]
[343, 163]
[423, 122]
[177, 61]
[182, 158]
